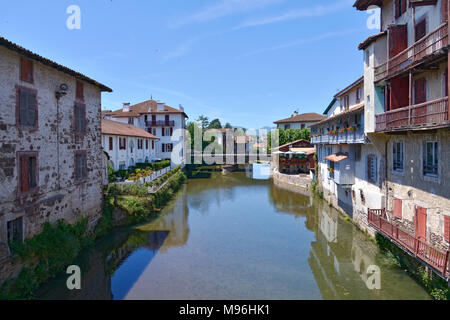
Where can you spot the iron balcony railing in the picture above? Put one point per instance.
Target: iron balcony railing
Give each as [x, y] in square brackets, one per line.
[428, 45]
[161, 123]
[348, 137]
[429, 114]
[436, 258]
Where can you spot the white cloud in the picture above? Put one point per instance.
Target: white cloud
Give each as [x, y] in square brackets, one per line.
[224, 8]
[297, 14]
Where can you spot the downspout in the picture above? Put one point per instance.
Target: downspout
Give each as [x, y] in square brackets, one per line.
[57, 139]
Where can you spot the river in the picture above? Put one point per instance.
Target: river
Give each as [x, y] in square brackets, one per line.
[231, 237]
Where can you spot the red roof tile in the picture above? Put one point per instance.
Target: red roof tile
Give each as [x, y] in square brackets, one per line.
[146, 107]
[121, 129]
[305, 117]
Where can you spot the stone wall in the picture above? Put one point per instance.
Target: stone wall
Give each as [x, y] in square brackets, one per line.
[57, 196]
[301, 181]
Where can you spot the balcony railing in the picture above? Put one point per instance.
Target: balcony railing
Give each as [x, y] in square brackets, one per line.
[160, 123]
[356, 136]
[428, 45]
[429, 114]
[434, 257]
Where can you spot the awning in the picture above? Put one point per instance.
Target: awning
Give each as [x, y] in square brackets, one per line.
[307, 151]
[336, 157]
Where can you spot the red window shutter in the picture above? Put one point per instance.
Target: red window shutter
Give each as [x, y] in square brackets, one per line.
[420, 91]
[79, 91]
[403, 6]
[398, 39]
[397, 8]
[398, 208]
[26, 69]
[421, 29]
[24, 174]
[399, 93]
[444, 10]
[447, 228]
[421, 223]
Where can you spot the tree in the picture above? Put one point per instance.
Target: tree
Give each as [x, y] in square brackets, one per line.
[228, 126]
[215, 124]
[290, 135]
[204, 121]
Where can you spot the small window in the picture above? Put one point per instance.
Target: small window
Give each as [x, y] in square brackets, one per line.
[122, 165]
[15, 230]
[421, 29]
[146, 144]
[163, 147]
[153, 144]
[28, 171]
[372, 168]
[27, 111]
[79, 91]
[397, 156]
[26, 70]
[122, 143]
[80, 118]
[430, 158]
[169, 147]
[357, 152]
[80, 165]
[111, 143]
[131, 121]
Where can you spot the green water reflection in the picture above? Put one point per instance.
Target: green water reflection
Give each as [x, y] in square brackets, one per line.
[230, 237]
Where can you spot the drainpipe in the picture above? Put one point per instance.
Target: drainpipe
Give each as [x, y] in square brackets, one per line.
[57, 139]
[386, 201]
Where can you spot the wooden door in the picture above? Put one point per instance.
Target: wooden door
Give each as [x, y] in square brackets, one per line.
[421, 223]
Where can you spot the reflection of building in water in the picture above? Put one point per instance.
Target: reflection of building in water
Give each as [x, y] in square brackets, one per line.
[363, 256]
[328, 224]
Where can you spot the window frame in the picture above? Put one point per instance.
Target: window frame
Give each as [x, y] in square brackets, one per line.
[18, 124]
[79, 91]
[111, 143]
[22, 229]
[75, 129]
[30, 76]
[372, 157]
[435, 158]
[394, 152]
[19, 156]
[76, 155]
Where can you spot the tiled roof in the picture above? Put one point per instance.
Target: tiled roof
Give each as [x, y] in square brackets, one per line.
[305, 117]
[349, 87]
[146, 107]
[350, 111]
[365, 4]
[305, 142]
[31, 55]
[121, 129]
[370, 39]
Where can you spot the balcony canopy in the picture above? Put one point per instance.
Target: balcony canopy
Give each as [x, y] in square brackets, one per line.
[337, 157]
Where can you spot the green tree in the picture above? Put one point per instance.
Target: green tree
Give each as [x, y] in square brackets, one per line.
[228, 126]
[290, 135]
[215, 124]
[204, 121]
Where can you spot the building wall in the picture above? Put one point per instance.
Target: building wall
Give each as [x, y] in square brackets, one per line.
[415, 189]
[295, 125]
[118, 156]
[58, 197]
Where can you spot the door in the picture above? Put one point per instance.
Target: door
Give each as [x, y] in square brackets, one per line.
[399, 92]
[421, 223]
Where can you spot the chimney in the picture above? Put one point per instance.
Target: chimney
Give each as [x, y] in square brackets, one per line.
[160, 106]
[181, 108]
[126, 107]
[295, 113]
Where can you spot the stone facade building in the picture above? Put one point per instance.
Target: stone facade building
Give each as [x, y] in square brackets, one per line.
[127, 145]
[50, 149]
[166, 123]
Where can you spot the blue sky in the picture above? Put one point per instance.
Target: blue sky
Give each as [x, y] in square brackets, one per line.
[247, 62]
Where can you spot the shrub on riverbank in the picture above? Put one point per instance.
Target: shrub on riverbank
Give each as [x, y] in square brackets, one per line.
[140, 167]
[47, 254]
[436, 286]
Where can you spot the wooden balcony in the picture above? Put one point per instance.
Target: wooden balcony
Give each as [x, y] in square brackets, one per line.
[434, 257]
[160, 123]
[429, 45]
[430, 114]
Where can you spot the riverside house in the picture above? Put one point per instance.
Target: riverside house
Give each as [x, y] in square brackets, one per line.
[162, 121]
[299, 121]
[127, 145]
[50, 150]
[407, 119]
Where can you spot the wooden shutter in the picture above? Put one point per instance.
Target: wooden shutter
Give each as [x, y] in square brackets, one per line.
[421, 29]
[79, 91]
[24, 174]
[26, 70]
[446, 82]
[421, 223]
[399, 93]
[420, 91]
[403, 6]
[398, 208]
[444, 10]
[398, 39]
[447, 228]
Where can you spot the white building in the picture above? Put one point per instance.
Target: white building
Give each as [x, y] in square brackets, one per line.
[166, 123]
[350, 166]
[127, 145]
[299, 121]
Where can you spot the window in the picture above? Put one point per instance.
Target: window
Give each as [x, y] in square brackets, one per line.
[367, 57]
[79, 91]
[153, 144]
[26, 70]
[372, 168]
[357, 152]
[27, 109]
[168, 132]
[131, 146]
[169, 147]
[80, 118]
[110, 143]
[15, 230]
[287, 126]
[445, 83]
[430, 158]
[122, 165]
[421, 29]
[146, 144]
[122, 143]
[140, 144]
[131, 121]
[447, 228]
[400, 7]
[28, 171]
[163, 132]
[397, 156]
[80, 165]
[345, 103]
[154, 131]
[163, 147]
[303, 126]
[167, 118]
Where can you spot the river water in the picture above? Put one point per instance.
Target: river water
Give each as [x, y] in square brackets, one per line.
[231, 237]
